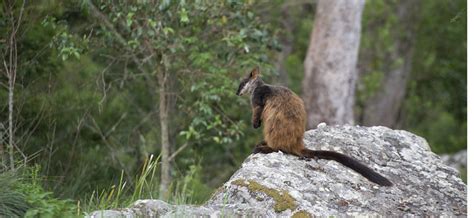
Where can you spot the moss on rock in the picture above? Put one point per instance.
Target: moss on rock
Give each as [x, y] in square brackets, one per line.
[283, 199]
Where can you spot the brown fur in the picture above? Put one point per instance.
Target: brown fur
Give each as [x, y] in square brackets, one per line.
[284, 119]
[255, 111]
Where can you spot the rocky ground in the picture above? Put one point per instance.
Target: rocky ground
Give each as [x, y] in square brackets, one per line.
[280, 185]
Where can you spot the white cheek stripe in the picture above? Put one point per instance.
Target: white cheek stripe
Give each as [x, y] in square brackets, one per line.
[244, 90]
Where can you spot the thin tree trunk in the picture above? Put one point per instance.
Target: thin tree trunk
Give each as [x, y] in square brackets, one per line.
[330, 74]
[287, 46]
[2, 147]
[11, 70]
[384, 107]
[11, 89]
[165, 142]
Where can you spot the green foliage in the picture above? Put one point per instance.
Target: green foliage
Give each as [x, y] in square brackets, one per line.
[453, 137]
[435, 106]
[381, 28]
[12, 201]
[190, 189]
[43, 204]
[67, 44]
[438, 87]
[22, 196]
[303, 18]
[372, 82]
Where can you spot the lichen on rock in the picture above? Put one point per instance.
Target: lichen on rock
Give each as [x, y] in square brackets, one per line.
[283, 201]
[301, 214]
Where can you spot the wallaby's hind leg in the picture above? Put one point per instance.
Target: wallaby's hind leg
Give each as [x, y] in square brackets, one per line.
[263, 148]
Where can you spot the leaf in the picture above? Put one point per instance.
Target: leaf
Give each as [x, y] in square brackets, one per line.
[152, 23]
[76, 54]
[168, 30]
[183, 16]
[129, 19]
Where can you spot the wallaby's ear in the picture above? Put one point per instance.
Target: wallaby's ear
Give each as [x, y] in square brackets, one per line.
[254, 73]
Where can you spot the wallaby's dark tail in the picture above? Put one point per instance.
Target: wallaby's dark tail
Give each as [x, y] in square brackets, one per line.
[351, 163]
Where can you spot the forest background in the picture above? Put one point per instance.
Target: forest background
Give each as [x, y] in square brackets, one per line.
[103, 103]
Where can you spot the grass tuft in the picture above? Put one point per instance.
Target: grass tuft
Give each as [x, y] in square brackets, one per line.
[116, 196]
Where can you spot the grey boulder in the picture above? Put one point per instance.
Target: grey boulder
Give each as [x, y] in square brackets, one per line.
[281, 185]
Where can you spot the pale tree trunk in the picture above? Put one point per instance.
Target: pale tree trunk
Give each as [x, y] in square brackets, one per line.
[330, 63]
[165, 141]
[384, 107]
[11, 89]
[10, 63]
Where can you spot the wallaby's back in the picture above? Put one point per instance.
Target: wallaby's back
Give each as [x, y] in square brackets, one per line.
[284, 119]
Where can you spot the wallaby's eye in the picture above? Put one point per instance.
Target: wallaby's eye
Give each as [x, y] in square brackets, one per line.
[242, 84]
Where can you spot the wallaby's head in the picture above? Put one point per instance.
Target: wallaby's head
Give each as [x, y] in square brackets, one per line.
[249, 83]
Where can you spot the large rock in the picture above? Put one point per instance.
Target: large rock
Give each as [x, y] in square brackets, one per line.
[280, 185]
[457, 160]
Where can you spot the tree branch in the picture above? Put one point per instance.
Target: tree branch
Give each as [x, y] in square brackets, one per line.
[178, 151]
[105, 20]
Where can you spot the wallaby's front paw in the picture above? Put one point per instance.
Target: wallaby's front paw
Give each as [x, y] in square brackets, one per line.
[257, 124]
